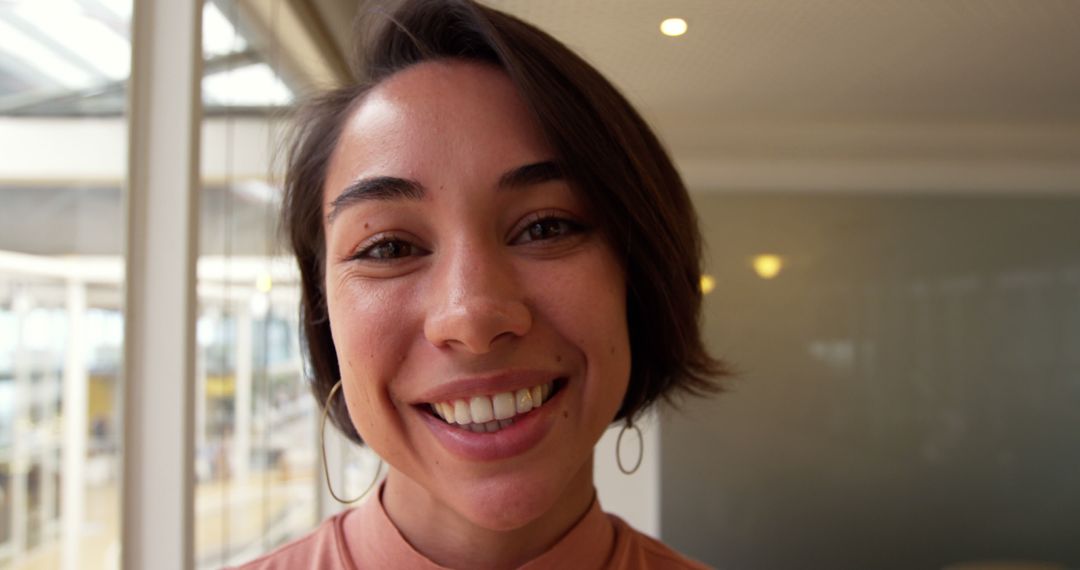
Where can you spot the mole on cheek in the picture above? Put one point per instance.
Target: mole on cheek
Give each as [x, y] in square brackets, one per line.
[558, 358]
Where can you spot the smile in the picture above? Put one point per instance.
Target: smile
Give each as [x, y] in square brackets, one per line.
[489, 414]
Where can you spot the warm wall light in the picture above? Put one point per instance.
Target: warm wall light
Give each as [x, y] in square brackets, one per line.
[768, 265]
[673, 27]
[707, 284]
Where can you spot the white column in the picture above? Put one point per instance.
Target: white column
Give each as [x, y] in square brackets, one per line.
[20, 453]
[74, 404]
[241, 441]
[160, 303]
[48, 390]
[199, 425]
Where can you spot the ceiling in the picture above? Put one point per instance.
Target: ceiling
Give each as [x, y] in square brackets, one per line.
[887, 80]
[892, 95]
[924, 60]
[895, 96]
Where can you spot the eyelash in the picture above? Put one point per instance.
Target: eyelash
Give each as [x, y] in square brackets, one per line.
[568, 227]
[383, 241]
[539, 220]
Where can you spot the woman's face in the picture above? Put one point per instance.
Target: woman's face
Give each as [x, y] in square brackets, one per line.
[465, 276]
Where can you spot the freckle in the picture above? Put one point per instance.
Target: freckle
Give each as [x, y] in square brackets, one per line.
[613, 350]
[558, 358]
[365, 225]
[566, 415]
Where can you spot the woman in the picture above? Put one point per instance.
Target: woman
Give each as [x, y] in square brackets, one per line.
[498, 260]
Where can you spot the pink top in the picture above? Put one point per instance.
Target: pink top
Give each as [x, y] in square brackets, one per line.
[365, 537]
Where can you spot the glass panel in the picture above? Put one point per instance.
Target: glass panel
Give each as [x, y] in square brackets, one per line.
[61, 281]
[908, 375]
[256, 457]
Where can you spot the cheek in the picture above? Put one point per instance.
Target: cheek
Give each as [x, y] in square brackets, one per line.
[368, 335]
[366, 324]
[588, 308]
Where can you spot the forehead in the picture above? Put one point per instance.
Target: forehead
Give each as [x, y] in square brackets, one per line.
[441, 123]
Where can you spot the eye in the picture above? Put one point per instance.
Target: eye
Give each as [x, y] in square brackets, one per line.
[547, 228]
[387, 248]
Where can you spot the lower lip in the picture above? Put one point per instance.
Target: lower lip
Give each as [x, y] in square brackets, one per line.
[515, 439]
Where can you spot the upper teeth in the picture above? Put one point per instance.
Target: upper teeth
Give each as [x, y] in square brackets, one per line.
[489, 409]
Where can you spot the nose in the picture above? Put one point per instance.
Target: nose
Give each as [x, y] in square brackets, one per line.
[474, 301]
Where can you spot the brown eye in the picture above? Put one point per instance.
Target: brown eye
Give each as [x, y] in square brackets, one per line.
[388, 249]
[546, 229]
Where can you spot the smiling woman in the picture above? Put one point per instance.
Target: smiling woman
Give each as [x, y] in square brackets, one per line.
[498, 261]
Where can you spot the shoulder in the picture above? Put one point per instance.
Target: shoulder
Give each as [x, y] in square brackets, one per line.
[321, 548]
[637, 550]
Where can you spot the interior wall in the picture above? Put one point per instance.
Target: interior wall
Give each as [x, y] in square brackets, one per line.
[905, 389]
[634, 497]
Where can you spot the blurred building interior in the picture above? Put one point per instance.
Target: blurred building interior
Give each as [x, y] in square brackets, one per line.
[890, 194]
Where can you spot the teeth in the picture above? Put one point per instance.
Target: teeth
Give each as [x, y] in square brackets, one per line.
[481, 409]
[461, 412]
[447, 411]
[504, 405]
[485, 414]
[523, 400]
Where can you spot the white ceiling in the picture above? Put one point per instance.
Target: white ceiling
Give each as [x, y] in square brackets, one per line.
[757, 87]
[831, 59]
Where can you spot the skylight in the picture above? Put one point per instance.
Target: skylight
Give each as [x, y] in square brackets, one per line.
[249, 86]
[74, 56]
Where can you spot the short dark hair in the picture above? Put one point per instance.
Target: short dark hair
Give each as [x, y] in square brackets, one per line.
[604, 149]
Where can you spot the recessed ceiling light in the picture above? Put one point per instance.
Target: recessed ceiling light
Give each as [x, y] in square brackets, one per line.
[673, 27]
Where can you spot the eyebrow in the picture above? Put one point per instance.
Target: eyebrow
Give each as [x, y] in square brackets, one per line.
[394, 188]
[531, 175]
[375, 188]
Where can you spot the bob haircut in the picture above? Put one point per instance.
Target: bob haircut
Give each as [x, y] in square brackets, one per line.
[604, 149]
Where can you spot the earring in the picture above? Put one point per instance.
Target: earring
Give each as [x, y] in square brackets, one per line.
[322, 444]
[618, 448]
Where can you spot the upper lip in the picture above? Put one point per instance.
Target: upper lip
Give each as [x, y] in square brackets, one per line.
[485, 385]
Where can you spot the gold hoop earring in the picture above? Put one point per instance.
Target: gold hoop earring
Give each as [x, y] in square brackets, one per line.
[618, 448]
[322, 445]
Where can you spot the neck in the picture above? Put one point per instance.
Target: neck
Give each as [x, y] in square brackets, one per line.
[449, 539]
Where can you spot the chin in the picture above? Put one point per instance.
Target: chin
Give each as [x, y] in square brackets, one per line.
[510, 503]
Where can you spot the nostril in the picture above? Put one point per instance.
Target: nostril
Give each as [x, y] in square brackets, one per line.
[502, 335]
[477, 326]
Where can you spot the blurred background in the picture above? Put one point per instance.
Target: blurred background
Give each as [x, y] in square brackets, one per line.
[890, 194]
